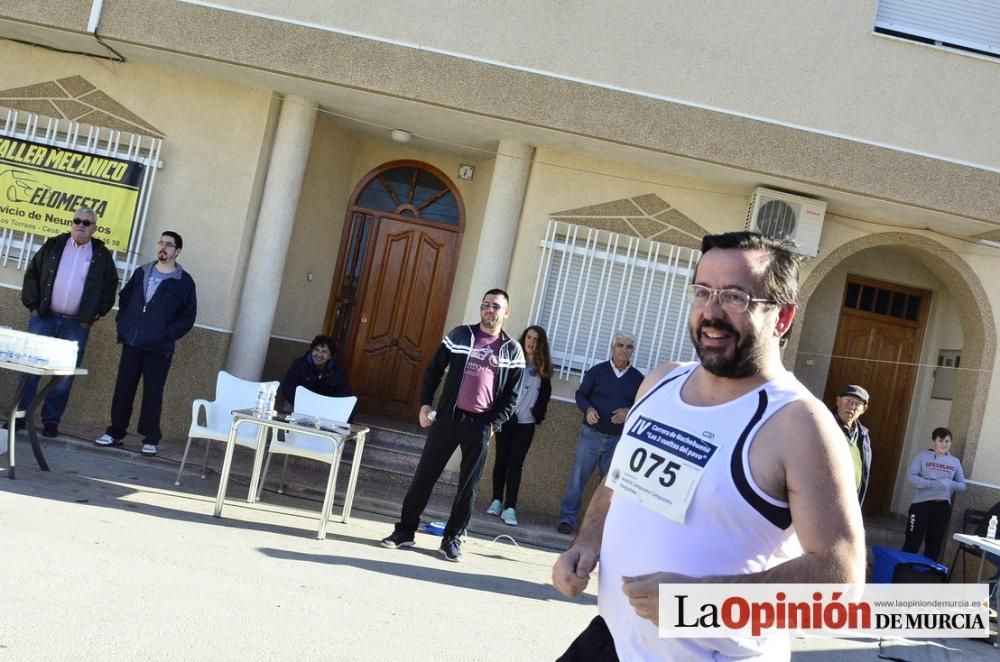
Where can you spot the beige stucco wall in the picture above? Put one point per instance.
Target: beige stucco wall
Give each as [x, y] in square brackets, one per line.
[211, 158]
[985, 261]
[338, 160]
[803, 63]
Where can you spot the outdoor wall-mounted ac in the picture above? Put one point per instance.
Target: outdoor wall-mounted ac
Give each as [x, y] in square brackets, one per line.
[781, 215]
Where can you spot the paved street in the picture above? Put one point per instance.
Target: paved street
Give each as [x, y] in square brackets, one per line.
[105, 559]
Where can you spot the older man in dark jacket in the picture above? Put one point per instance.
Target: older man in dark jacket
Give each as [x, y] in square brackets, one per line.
[156, 308]
[70, 283]
[851, 404]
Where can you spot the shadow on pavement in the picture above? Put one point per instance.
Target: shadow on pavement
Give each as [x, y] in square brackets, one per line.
[488, 583]
[122, 482]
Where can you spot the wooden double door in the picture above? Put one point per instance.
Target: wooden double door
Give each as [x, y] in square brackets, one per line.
[401, 316]
[395, 276]
[877, 346]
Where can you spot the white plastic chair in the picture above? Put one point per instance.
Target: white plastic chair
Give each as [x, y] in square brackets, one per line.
[322, 449]
[230, 393]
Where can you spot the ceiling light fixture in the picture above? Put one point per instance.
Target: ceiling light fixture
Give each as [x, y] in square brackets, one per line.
[401, 135]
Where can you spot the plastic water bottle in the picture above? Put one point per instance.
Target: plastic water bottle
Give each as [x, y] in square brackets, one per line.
[261, 406]
[272, 395]
[991, 530]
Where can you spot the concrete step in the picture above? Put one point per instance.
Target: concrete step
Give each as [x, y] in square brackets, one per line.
[389, 460]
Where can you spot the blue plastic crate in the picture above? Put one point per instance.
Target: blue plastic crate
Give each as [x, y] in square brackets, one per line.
[919, 568]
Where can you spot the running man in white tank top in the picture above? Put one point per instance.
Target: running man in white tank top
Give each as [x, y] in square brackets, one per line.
[765, 493]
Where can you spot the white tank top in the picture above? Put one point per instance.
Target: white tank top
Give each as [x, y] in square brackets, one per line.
[731, 527]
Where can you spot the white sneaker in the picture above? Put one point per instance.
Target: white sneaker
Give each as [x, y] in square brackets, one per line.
[107, 440]
[149, 450]
[509, 517]
[495, 508]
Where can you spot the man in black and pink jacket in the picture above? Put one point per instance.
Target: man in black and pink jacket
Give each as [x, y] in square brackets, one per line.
[485, 368]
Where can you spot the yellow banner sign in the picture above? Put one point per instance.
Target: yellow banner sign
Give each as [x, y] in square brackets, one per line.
[42, 185]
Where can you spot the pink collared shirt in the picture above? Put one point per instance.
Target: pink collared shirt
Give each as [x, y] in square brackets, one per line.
[67, 290]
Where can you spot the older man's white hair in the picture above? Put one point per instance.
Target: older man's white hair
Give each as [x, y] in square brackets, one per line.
[623, 336]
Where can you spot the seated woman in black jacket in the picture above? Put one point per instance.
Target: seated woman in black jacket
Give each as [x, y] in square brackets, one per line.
[317, 371]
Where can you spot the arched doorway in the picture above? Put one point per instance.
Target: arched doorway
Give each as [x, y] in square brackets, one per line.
[397, 261]
[958, 283]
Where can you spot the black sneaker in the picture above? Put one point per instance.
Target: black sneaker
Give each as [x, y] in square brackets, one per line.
[50, 430]
[452, 549]
[398, 541]
[565, 528]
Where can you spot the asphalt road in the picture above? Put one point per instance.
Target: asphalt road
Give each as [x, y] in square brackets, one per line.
[104, 559]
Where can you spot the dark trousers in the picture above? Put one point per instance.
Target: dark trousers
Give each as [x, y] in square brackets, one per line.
[513, 442]
[442, 440]
[54, 326]
[927, 524]
[152, 368]
[594, 644]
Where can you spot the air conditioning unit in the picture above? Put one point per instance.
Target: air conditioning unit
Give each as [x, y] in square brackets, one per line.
[789, 217]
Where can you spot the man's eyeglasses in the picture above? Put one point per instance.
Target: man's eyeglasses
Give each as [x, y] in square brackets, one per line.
[166, 244]
[732, 301]
[85, 222]
[495, 307]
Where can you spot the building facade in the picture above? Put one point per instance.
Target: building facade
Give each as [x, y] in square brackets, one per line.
[371, 169]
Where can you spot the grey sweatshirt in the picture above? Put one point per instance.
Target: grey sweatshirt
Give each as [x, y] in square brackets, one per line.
[936, 477]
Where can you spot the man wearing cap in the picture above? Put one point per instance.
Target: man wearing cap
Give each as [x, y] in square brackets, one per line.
[851, 404]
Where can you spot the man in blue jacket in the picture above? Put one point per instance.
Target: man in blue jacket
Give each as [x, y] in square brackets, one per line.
[156, 307]
[605, 395]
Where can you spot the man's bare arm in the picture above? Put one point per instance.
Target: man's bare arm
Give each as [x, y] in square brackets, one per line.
[819, 482]
[571, 572]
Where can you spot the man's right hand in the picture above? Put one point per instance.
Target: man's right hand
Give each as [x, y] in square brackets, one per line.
[425, 416]
[592, 416]
[571, 572]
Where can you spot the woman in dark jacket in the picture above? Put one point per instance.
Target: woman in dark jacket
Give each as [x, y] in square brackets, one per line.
[514, 437]
[317, 371]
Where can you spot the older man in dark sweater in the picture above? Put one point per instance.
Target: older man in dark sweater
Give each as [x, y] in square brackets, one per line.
[605, 396]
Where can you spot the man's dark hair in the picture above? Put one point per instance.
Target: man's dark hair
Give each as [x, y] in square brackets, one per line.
[496, 291]
[178, 241]
[323, 340]
[781, 276]
[940, 433]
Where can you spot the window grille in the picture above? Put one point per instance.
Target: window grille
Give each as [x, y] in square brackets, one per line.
[19, 246]
[592, 282]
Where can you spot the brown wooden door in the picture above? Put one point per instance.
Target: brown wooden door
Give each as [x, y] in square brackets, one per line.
[879, 352]
[401, 317]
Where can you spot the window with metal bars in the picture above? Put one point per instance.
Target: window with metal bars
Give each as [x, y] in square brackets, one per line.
[593, 282]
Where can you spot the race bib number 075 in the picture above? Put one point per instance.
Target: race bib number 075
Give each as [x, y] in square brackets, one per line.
[659, 466]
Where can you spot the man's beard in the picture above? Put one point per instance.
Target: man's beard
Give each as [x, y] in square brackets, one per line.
[747, 357]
